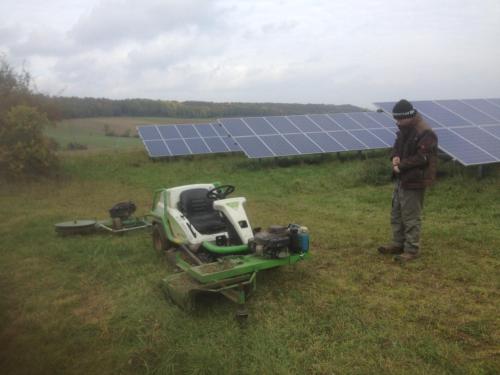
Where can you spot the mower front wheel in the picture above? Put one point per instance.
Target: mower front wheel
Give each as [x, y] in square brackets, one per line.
[160, 241]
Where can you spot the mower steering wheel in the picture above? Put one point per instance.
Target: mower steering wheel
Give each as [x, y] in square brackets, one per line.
[220, 192]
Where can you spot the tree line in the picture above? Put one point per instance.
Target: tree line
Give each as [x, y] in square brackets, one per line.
[75, 107]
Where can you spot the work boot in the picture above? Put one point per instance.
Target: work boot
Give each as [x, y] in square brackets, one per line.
[405, 257]
[390, 249]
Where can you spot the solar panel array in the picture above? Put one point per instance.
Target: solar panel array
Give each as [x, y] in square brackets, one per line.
[189, 139]
[261, 137]
[468, 130]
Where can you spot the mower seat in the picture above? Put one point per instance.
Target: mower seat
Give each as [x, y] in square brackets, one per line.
[200, 212]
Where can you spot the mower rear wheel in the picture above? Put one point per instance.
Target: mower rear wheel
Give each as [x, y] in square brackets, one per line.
[160, 241]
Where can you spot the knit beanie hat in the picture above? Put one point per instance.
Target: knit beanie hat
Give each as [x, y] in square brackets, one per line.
[403, 109]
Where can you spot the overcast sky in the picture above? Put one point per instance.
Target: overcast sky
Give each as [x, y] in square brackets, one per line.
[314, 51]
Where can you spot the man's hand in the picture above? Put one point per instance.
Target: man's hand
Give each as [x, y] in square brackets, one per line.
[395, 168]
[395, 161]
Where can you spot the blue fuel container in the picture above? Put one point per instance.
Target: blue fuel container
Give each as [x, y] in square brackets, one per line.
[304, 239]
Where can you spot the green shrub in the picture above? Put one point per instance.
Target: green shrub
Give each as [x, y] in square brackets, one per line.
[23, 147]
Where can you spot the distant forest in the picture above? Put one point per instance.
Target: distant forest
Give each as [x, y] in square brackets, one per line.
[74, 107]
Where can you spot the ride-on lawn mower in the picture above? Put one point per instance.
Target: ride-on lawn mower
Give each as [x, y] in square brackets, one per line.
[209, 238]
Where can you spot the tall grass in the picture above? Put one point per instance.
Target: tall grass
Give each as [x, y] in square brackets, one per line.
[92, 304]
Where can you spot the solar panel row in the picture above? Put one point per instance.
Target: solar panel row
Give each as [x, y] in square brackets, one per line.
[468, 130]
[455, 113]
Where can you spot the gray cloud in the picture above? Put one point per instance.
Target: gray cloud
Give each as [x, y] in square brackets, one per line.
[9, 34]
[316, 51]
[119, 21]
[43, 42]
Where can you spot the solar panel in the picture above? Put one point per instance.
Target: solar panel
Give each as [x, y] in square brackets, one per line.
[348, 141]
[216, 145]
[279, 145]
[207, 130]
[461, 149]
[365, 121]
[383, 119]
[156, 148]
[488, 107]
[440, 114]
[260, 126]
[273, 136]
[226, 138]
[326, 143]
[385, 135]
[149, 133]
[178, 147]
[468, 130]
[471, 114]
[345, 122]
[481, 139]
[304, 124]
[493, 130]
[188, 131]
[369, 139]
[254, 147]
[189, 139]
[495, 101]
[282, 125]
[325, 122]
[237, 127]
[199, 146]
[169, 132]
[303, 143]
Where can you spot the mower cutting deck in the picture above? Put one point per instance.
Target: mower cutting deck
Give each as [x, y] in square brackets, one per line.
[209, 238]
[120, 221]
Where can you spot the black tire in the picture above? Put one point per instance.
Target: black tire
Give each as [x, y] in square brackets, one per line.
[160, 241]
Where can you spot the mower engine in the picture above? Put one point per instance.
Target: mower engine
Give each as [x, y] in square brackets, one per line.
[280, 241]
[121, 212]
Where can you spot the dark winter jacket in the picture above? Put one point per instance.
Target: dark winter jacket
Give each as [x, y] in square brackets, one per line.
[416, 145]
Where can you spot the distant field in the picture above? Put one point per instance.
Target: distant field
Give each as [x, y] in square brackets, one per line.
[93, 305]
[91, 132]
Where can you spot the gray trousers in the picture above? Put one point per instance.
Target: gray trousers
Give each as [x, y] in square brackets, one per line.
[405, 217]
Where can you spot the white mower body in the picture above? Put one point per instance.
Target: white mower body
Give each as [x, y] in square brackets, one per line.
[185, 232]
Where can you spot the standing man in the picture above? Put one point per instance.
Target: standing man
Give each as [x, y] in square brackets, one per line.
[414, 161]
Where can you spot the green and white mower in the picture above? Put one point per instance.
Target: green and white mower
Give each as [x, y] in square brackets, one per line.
[209, 238]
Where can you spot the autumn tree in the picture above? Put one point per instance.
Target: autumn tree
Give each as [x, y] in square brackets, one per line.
[23, 147]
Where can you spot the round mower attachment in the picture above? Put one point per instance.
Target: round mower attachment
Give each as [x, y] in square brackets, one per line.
[76, 227]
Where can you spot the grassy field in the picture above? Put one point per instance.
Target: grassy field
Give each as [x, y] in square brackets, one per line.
[107, 132]
[93, 305]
